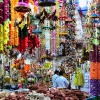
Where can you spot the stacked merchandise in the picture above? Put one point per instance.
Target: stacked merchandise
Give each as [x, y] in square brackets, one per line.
[42, 93]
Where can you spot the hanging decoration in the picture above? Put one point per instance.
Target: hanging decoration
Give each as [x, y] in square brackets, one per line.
[63, 17]
[23, 8]
[79, 78]
[33, 42]
[53, 42]
[42, 45]
[57, 29]
[70, 43]
[4, 24]
[93, 39]
[13, 34]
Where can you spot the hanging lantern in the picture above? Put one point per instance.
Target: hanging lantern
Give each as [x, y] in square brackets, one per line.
[22, 6]
[63, 14]
[47, 2]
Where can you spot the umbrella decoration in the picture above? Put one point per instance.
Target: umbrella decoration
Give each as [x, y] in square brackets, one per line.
[46, 3]
[22, 6]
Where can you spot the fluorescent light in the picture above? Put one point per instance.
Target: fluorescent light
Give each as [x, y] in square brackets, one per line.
[82, 3]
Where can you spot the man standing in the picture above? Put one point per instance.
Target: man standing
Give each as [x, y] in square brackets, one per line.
[61, 81]
[54, 77]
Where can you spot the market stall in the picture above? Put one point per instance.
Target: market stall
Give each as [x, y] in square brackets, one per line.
[41, 36]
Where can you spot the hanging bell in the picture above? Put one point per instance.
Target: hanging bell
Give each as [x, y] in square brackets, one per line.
[46, 3]
[46, 25]
[37, 29]
[22, 6]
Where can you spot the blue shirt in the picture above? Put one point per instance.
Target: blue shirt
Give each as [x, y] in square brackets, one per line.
[54, 77]
[61, 82]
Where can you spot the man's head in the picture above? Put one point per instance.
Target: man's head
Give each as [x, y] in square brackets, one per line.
[56, 72]
[61, 73]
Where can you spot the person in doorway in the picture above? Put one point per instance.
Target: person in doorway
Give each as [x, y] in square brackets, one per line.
[61, 81]
[54, 77]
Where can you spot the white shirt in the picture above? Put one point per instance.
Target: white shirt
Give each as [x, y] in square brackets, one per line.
[62, 82]
[54, 77]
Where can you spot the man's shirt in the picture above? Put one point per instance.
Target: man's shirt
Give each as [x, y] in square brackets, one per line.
[61, 82]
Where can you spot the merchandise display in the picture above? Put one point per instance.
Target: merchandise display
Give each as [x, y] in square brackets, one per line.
[42, 40]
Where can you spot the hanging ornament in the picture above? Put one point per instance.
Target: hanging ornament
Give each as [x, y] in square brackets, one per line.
[22, 6]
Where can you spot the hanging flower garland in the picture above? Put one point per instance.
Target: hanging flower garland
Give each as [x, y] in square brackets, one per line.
[4, 24]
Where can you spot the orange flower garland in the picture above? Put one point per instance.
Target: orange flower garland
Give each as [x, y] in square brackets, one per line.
[13, 30]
